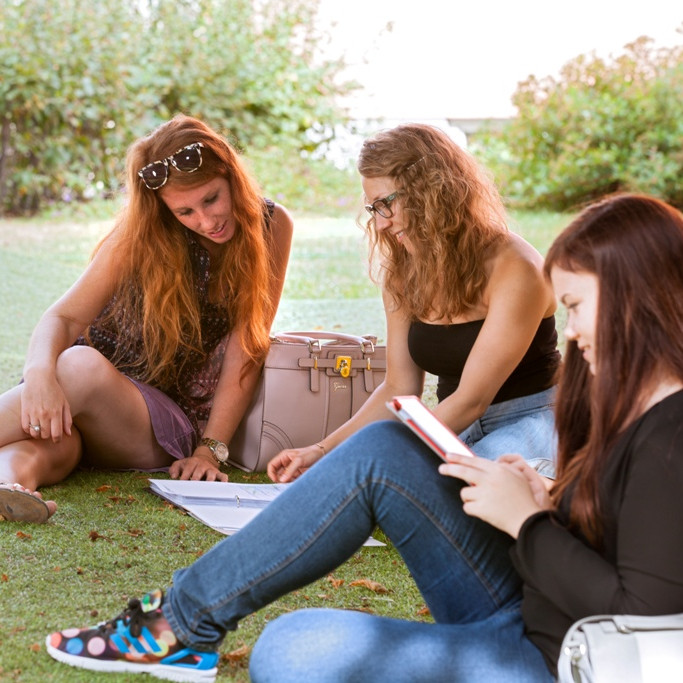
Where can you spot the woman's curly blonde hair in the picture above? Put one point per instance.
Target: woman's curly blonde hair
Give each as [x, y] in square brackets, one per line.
[156, 291]
[452, 214]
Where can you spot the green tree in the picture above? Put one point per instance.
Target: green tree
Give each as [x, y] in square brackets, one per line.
[602, 126]
[80, 79]
[64, 104]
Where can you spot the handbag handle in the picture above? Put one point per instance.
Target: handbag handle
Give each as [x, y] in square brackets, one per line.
[308, 337]
[627, 623]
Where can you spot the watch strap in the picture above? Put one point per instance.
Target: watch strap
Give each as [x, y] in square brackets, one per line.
[214, 445]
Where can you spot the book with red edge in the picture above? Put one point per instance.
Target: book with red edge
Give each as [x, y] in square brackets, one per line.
[423, 422]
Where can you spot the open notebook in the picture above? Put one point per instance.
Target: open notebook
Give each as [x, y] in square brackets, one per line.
[427, 426]
[223, 506]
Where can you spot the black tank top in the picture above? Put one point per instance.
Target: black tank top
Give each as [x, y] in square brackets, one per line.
[442, 350]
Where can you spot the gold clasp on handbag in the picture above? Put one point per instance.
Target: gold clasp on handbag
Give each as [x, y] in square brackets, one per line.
[343, 365]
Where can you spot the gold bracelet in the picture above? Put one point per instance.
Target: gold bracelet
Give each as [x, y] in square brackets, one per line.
[321, 447]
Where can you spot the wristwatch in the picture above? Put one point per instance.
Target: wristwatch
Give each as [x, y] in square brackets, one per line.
[217, 448]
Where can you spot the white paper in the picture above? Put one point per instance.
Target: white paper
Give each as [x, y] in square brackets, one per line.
[186, 492]
[223, 506]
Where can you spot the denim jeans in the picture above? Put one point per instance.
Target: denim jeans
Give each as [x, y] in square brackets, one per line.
[524, 425]
[382, 476]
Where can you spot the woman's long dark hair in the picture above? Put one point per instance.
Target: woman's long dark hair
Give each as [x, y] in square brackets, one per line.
[634, 245]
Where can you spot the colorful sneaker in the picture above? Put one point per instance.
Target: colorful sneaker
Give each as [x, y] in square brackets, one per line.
[138, 640]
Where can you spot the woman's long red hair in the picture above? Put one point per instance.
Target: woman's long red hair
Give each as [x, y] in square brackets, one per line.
[156, 293]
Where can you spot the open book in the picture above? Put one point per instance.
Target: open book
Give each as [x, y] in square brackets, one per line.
[223, 506]
[440, 438]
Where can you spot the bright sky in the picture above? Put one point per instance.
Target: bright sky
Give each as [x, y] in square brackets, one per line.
[464, 58]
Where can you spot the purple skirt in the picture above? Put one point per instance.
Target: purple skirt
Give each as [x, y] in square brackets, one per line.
[172, 429]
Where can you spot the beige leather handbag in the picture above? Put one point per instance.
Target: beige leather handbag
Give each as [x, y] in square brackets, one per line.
[311, 383]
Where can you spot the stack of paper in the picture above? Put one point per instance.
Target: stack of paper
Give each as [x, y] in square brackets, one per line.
[224, 506]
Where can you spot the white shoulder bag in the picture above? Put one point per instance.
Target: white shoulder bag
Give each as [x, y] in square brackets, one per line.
[623, 648]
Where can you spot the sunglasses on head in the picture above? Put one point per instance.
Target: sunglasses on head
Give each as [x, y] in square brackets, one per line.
[188, 159]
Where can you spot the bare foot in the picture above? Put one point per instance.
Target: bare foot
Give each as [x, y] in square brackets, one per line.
[19, 504]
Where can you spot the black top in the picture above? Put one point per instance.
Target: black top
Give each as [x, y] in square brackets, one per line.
[640, 568]
[443, 350]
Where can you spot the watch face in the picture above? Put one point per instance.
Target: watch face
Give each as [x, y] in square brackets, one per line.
[221, 452]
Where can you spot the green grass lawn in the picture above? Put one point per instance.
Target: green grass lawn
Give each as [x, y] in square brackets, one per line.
[111, 539]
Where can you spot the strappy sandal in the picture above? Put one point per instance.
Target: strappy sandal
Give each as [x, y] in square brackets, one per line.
[19, 506]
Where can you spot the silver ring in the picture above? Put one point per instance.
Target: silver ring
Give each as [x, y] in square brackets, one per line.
[35, 428]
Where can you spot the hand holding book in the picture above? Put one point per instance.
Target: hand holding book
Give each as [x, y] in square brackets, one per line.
[503, 493]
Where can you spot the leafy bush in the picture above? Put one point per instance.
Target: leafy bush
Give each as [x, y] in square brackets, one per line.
[80, 80]
[306, 185]
[602, 126]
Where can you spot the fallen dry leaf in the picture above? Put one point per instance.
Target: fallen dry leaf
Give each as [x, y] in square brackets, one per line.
[423, 612]
[374, 586]
[104, 487]
[135, 532]
[336, 583]
[4, 578]
[34, 647]
[237, 655]
[21, 534]
[95, 536]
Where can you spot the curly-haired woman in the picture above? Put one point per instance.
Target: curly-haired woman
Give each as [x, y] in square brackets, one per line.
[465, 299]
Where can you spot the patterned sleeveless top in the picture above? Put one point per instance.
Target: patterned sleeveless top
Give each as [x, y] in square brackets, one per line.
[197, 380]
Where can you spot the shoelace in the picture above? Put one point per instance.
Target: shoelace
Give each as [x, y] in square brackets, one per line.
[133, 616]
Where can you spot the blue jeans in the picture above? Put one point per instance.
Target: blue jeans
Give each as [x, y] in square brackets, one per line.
[382, 476]
[524, 425]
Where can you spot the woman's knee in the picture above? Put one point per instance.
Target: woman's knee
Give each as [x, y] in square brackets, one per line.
[307, 645]
[266, 661]
[80, 369]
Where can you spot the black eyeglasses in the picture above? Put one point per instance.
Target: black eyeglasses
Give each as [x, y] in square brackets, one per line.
[188, 159]
[382, 206]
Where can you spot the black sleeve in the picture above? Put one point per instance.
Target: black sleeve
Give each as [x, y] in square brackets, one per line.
[646, 574]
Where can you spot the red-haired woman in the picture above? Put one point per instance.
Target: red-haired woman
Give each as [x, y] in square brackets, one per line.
[150, 359]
